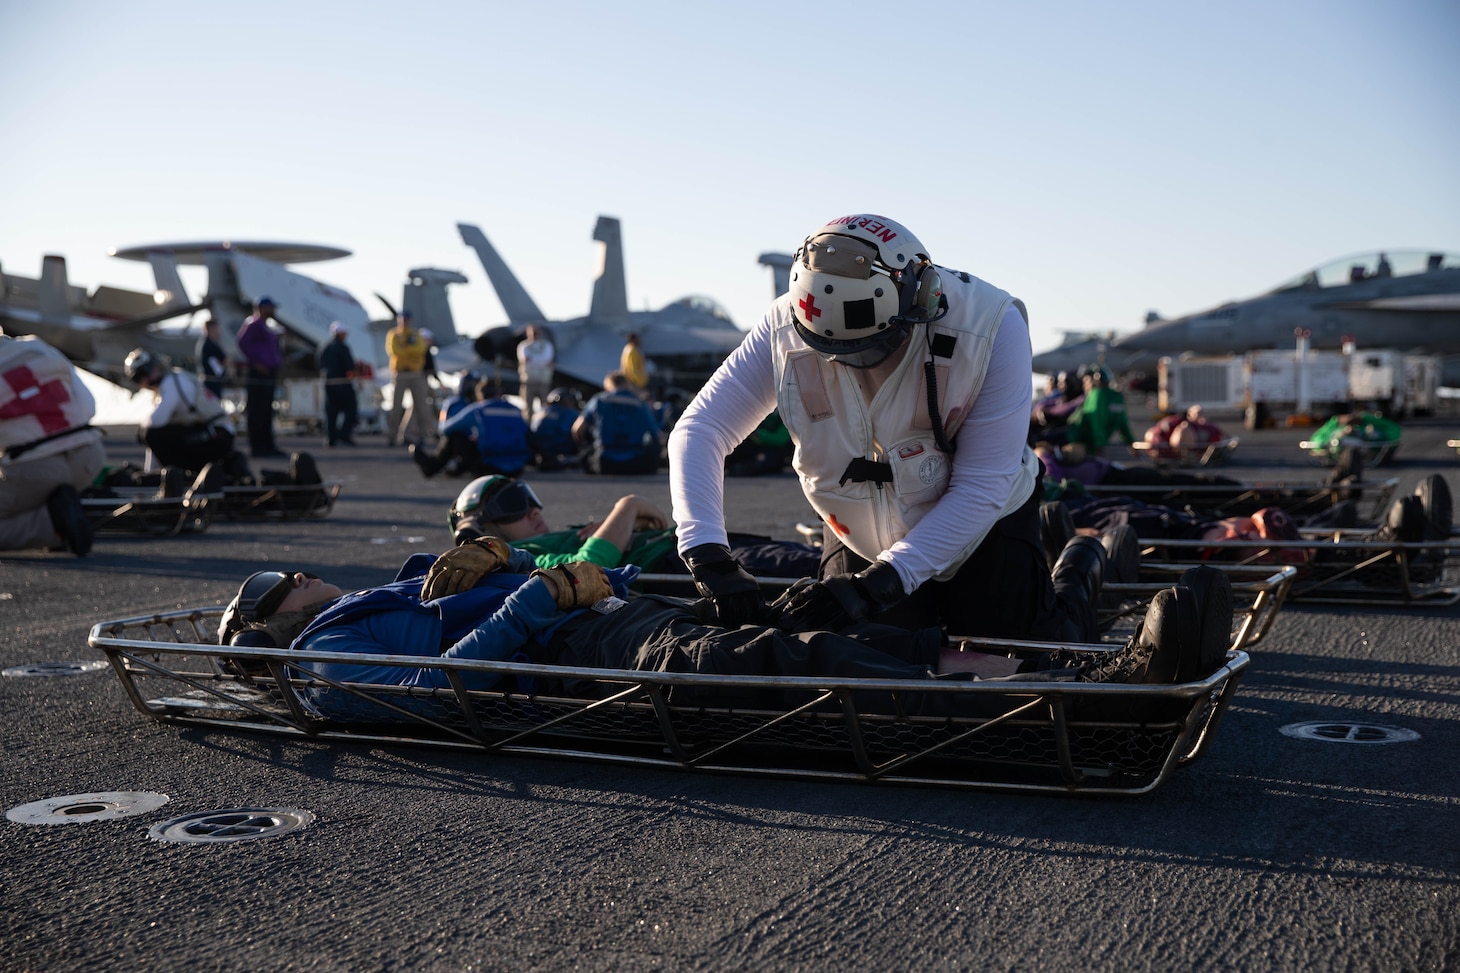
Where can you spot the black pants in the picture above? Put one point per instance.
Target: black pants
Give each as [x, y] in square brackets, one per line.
[260, 408]
[1003, 590]
[170, 445]
[655, 633]
[341, 409]
[660, 634]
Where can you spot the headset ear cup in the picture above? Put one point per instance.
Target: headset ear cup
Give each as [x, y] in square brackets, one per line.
[930, 292]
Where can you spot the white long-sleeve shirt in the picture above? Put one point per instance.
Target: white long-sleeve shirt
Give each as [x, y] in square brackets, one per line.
[990, 445]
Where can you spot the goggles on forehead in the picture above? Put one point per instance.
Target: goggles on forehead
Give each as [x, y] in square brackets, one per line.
[512, 502]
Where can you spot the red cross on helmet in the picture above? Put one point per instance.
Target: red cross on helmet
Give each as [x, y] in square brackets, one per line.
[858, 285]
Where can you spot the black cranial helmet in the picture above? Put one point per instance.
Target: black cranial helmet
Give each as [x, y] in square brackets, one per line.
[258, 597]
[139, 365]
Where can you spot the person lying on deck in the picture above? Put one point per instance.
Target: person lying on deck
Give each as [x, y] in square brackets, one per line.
[484, 600]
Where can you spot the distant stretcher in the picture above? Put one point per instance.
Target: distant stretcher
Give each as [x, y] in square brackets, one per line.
[284, 501]
[127, 510]
[1376, 452]
[1339, 567]
[1210, 454]
[1048, 737]
[1373, 497]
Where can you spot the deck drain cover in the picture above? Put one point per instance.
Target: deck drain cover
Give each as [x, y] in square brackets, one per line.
[81, 808]
[1334, 732]
[236, 824]
[55, 668]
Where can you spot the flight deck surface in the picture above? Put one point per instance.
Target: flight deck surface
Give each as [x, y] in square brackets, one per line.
[1300, 840]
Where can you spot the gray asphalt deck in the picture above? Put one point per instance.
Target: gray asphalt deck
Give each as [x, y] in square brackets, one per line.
[1271, 853]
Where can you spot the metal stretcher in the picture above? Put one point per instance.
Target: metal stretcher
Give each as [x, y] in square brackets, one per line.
[1376, 452]
[140, 511]
[1043, 737]
[1373, 497]
[1211, 454]
[1340, 567]
[284, 501]
[1258, 592]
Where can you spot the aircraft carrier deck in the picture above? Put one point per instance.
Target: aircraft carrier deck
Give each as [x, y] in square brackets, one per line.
[1273, 852]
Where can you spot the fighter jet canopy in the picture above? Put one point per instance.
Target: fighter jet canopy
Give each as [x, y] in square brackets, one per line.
[1351, 270]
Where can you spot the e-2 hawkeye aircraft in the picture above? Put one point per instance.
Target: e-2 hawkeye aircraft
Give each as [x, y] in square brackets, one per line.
[1407, 300]
[685, 341]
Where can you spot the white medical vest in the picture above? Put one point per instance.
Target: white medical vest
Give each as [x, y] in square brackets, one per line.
[833, 424]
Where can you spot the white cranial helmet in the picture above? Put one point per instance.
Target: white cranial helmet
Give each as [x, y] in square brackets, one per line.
[858, 285]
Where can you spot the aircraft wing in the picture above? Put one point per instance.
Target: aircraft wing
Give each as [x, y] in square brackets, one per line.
[1417, 302]
[520, 307]
[658, 341]
[590, 355]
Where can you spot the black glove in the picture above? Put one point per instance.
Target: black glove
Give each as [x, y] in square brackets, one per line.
[721, 579]
[840, 600]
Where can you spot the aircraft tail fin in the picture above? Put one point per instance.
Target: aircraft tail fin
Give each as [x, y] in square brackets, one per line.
[520, 308]
[780, 265]
[425, 298]
[169, 281]
[610, 294]
[53, 296]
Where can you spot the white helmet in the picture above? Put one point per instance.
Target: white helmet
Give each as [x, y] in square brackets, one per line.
[858, 285]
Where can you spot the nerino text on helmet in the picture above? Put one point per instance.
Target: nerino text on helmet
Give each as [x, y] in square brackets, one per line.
[882, 231]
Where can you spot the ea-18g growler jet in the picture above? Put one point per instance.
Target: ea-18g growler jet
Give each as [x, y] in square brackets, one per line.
[686, 340]
[1405, 300]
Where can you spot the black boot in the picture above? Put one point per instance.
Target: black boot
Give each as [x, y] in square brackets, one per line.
[1439, 511]
[1078, 576]
[1056, 527]
[303, 471]
[68, 519]
[1212, 590]
[1170, 631]
[1405, 523]
[429, 462]
[1122, 560]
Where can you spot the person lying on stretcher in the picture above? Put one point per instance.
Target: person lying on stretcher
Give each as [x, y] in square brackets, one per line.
[1424, 516]
[484, 600]
[634, 532]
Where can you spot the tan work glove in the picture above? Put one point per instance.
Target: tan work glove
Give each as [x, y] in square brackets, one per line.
[460, 568]
[577, 584]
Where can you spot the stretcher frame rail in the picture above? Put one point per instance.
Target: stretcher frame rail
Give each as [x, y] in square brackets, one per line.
[1037, 737]
[1339, 567]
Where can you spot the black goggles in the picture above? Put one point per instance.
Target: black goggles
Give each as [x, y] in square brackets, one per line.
[512, 502]
[263, 593]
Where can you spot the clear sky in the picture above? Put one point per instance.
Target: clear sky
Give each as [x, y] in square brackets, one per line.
[1097, 159]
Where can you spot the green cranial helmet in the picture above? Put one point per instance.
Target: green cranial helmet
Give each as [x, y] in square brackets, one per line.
[469, 500]
[493, 499]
